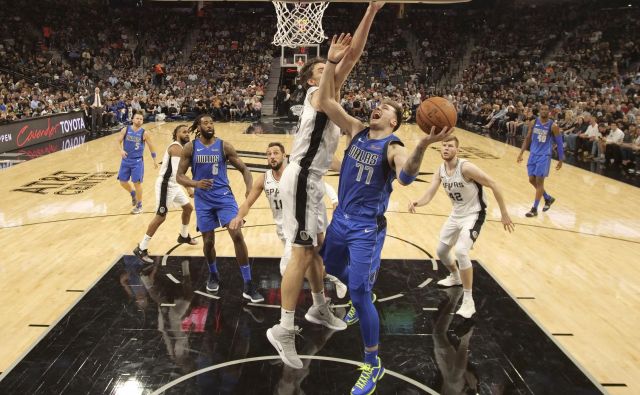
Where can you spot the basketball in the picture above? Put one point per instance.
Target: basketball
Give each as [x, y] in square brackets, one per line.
[438, 112]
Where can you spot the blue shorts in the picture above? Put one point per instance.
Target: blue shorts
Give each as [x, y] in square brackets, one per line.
[538, 165]
[356, 243]
[216, 214]
[131, 169]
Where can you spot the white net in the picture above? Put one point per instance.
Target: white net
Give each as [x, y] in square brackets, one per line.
[299, 23]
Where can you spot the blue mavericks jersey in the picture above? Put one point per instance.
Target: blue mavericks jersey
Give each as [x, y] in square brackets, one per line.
[209, 162]
[133, 143]
[541, 138]
[366, 177]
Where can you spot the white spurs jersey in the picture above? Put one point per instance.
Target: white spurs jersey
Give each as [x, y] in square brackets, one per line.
[272, 192]
[168, 171]
[467, 196]
[316, 141]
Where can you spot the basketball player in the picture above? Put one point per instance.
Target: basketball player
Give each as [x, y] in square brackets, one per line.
[354, 240]
[302, 189]
[131, 142]
[540, 136]
[269, 182]
[462, 182]
[168, 194]
[215, 205]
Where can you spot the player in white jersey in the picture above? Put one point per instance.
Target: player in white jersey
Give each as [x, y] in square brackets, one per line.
[302, 188]
[462, 182]
[269, 182]
[168, 194]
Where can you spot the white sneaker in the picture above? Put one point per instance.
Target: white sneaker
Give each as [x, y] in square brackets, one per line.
[341, 289]
[137, 210]
[284, 341]
[450, 281]
[322, 315]
[467, 309]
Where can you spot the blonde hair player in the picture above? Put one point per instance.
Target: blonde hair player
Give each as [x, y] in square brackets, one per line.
[462, 182]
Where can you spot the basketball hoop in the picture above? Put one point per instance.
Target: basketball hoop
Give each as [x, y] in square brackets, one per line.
[299, 23]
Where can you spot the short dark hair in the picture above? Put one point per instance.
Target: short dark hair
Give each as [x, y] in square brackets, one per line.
[451, 138]
[175, 131]
[276, 144]
[306, 72]
[137, 112]
[399, 110]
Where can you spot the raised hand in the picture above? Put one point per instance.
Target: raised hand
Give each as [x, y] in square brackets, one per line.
[434, 137]
[339, 47]
[376, 5]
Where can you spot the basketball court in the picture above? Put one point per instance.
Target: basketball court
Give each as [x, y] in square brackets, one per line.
[566, 279]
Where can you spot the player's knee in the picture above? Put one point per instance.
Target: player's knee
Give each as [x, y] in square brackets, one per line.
[236, 235]
[443, 251]
[360, 296]
[462, 255]
[187, 208]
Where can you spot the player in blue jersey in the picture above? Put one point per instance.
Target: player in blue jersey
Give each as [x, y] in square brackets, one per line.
[353, 242]
[542, 133]
[131, 141]
[207, 156]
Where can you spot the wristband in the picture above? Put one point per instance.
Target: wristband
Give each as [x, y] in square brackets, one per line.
[153, 155]
[406, 178]
[332, 62]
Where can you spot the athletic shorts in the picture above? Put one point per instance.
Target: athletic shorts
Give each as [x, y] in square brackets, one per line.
[169, 196]
[462, 231]
[354, 244]
[131, 169]
[217, 214]
[304, 214]
[538, 165]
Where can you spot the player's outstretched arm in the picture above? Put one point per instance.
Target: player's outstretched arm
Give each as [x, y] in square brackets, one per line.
[357, 45]
[428, 195]
[147, 139]
[407, 167]
[243, 210]
[527, 141]
[235, 160]
[473, 172]
[326, 98]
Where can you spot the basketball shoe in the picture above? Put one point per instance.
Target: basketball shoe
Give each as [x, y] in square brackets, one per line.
[368, 379]
[352, 315]
[467, 309]
[187, 240]
[451, 280]
[213, 283]
[548, 203]
[323, 315]
[284, 341]
[250, 292]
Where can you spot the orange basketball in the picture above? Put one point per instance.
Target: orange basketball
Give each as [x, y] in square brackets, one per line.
[436, 111]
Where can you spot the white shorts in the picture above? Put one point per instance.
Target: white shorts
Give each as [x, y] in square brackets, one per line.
[462, 231]
[304, 213]
[169, 196]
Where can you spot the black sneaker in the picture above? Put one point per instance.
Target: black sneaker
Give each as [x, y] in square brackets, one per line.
[249, 292]
[213, 283]
[532, 213]
[548, 203]
[142, 254]
[187, 240]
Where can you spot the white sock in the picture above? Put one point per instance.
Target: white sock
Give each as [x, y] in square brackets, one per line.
[467, 294]
[145, 242]
[287, 319]
[184, 232]
[318, 298]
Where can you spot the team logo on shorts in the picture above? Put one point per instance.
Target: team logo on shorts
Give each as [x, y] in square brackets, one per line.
[474, 235]
[162, 210]
[304, 235]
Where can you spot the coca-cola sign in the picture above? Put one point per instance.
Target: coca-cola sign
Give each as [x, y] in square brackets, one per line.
[38, 130]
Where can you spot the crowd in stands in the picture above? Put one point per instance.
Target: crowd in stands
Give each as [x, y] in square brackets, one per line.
[580, 59]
